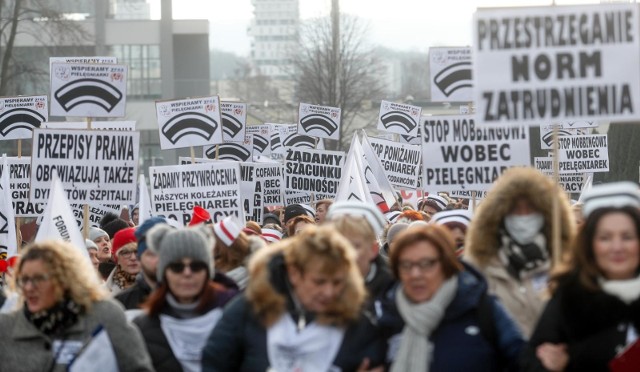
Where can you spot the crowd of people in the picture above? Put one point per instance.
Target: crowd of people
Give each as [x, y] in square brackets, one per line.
[341, 286]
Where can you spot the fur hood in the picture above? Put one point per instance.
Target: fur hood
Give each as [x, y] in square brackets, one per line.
[482, 239]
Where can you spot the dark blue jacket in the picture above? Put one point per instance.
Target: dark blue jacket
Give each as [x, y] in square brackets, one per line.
[460, 342]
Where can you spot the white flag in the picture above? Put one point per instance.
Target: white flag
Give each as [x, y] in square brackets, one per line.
[58, 221]
[144, 203]
[588, 184]
[382, 191]
[8, 239]
[352, 184]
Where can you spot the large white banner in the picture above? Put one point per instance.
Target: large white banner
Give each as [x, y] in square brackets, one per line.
[95, 167]
[89, 90]
[19, 116]
[214, 186]
[19, 181]
[189, 122]
[262, 185]
[319, 121]
[545, 64]
[399, 118]
[587, 153]
[450, 70]
[401, 162]
[314, 171]
[459, 155]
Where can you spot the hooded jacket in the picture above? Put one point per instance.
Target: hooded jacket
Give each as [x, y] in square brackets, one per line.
[524, 299]
[239, 340]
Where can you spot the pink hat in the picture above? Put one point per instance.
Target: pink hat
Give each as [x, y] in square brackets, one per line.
[227, 231]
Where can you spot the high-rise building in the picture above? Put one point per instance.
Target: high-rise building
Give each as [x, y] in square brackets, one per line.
[274, 32]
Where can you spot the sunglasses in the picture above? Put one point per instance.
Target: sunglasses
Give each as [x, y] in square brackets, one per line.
[194, 266]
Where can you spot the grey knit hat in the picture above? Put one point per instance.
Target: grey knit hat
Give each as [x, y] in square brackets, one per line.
[173, 245]
[90, 244]
[95, 233]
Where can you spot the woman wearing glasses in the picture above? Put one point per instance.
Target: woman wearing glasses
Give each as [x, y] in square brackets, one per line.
[63, 306]
[440, 310]
[123, 276]
[186, 305]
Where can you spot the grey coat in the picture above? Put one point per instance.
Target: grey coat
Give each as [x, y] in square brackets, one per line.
[24, 348]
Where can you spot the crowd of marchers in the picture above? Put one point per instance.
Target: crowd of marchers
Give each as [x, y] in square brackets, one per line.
[342, 286]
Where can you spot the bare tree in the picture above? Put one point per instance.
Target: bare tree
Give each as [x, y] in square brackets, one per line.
[358, 69]
[41, 22]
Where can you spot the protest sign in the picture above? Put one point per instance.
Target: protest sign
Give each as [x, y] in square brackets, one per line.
[400, 162]
[189, 122]
[182, 160]
[128, 125]
[235, 151]
[467, 194]
[586, 153]
[399, 118]
[459, 155]
[543, 64]
[8, 238]
[261, 139]
[410, 140]
[234, 119]
[546, 135]
[382, 191]
[83, 60]
[19, 116]
[299, 141]
[314, 171]
[19, 180]
[450, 69]
[297, 197]
[319, 121]
[262, 185]
[89, 90]
[96, 212]
[95, 167]
[214, 186]
[279, 133]
[570, 182]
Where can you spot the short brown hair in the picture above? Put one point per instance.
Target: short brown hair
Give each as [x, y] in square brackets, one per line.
[437, 235]
[291, 224]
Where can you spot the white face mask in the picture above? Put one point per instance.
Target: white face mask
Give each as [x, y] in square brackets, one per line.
[524, 228]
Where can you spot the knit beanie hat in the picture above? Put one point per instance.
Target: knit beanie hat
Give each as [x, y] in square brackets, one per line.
[610, 195]
[393, 232]
[122, 238]
[369, 212]
[436, 201]
[227, 231]
[90, 244]
[455, 218]
[95, 233]
[111, 223]
[142, 230]
[271, 235]
[270, 218]
[172, 245]
[293, 211]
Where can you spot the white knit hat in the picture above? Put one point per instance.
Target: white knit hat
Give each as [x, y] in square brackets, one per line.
[392, 216]
[227, 231]
[461, 216]
[359, 209]
[271, 235]
[611, 195]
[437, 200]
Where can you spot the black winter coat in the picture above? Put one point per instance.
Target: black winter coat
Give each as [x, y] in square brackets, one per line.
[132, 297]
[594, 325]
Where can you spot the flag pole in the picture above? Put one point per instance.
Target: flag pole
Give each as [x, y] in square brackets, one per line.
[85, 214]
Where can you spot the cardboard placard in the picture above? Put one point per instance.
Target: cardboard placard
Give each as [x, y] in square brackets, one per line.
[319, 121]
[189, 122]
[450, 69]
[314, 171]
[19, 116]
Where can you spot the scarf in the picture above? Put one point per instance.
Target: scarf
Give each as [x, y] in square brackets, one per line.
[56, 319]
[626, 290]
[522, 260]
[312, 348]
[122, 278]
[240, 276]
[414, 353]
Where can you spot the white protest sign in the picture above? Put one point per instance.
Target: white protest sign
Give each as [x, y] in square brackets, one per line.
[279, 132]
[319, 121]
[95, 167]
[235, 151]
[543, 64]
[459, 155]
[450, 69]
[546, 135]
[189, 122]
[89, 90]
[234, 119]
[401, 162]
[19, 116]
[468, 194]
[297, 197]
[410, 140]
[570, 182]
[214, 186]
[314, 171]
[8, 239]
[261, 139]
[586, 153]
[128, 125]
[19, 179]
[83, 60]
[262, 185]
[299, 141]
[399, 118]
[182, 160]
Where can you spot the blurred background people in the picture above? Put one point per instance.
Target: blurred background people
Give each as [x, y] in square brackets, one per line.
[124, 247]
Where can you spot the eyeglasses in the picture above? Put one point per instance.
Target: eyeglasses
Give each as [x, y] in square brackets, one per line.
[194, 266]
[126, 253]
[423, 265]
[35, 280]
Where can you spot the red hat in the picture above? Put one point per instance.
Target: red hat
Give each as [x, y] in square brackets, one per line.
[122, 238]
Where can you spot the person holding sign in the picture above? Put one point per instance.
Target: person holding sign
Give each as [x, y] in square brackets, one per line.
[63, 305]
[510, 241]
[439, 317]
[300, 311]
[595, 309]
[181, 312]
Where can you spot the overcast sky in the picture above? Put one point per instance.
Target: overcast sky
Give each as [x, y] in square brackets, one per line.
[399, 24]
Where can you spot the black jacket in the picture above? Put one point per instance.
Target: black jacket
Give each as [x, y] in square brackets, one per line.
[376, 286]
[132, 297]
[593, 324]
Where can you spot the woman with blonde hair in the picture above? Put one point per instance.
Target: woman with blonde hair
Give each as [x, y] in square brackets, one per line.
[63, 306]
[301, 310]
